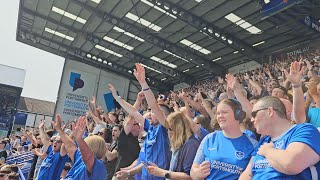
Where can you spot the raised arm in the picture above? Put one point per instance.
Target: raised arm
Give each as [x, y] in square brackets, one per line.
[126, 106]
[253, 84]
[139, 99]
[139, 73]
[87, 154]
[44, 138]
[195, 129]
[295, 75]
[68, 144]
[29, 137]
[238, 92]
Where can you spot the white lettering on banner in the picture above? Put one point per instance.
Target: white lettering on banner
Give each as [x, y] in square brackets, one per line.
[231, 168]
[261, 164]
[298, 51]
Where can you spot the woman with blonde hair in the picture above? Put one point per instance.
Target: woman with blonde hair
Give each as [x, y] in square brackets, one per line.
[184, 146]
[86, 158]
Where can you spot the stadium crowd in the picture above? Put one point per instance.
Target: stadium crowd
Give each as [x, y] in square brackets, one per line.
[260, 124]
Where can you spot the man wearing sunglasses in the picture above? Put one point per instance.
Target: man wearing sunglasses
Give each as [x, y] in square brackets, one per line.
[53, 164]
[286, 151]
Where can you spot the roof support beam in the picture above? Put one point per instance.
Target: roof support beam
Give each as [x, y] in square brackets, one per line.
[210, 29]
[135, 57]
[156, 40]
[78, 55]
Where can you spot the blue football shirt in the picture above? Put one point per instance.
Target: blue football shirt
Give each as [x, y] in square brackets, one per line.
[79, 170]
[156, 148]
[303, 133]
[228, 157]
[52, 165]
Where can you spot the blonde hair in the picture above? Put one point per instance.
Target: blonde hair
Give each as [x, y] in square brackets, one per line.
[181, 127]
[97, 145]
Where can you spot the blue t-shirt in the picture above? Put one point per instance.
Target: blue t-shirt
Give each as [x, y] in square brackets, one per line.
[303, 133]
[156, 148]
[250, 134]
[140, 159]
[228, 157]
[52, 165]
[79, 170]
[203, 133]
[314, 116]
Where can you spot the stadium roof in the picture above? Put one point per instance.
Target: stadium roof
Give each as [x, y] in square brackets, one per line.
[177, 40]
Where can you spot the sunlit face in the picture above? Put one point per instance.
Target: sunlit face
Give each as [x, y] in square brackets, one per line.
[225, 116]
[38, 140]
[272, 85]
[171, 131]
[277, 92]
[260, 119]
[115, 132]
[56, 144]
[196, 121]
[136, 130]
[112, 117]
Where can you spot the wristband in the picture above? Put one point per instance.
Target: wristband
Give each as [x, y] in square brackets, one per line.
[146, 89]
[296, 85]
[118, 98]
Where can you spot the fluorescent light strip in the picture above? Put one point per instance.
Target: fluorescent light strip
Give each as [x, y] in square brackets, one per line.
[195, 46]
[163, 79]
[242, 23]
[143, 22]
[186, 70]
[198, 1]
[59, 34]
[69, 15]
[118, 43]
[163, 62]
[108, 50]
[158, 8]
[235, 52]
[151, 68]
[96, 1]
[216, 59]
[259, 43]
[175, 55]
[128, 34]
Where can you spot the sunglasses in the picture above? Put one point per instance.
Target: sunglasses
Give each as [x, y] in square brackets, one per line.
[254, 113]
[100, 133]
[57, 141]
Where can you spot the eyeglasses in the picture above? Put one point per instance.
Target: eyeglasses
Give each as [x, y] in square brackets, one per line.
[57, 141]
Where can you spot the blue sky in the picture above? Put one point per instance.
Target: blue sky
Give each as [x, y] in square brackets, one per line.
[43, 70]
